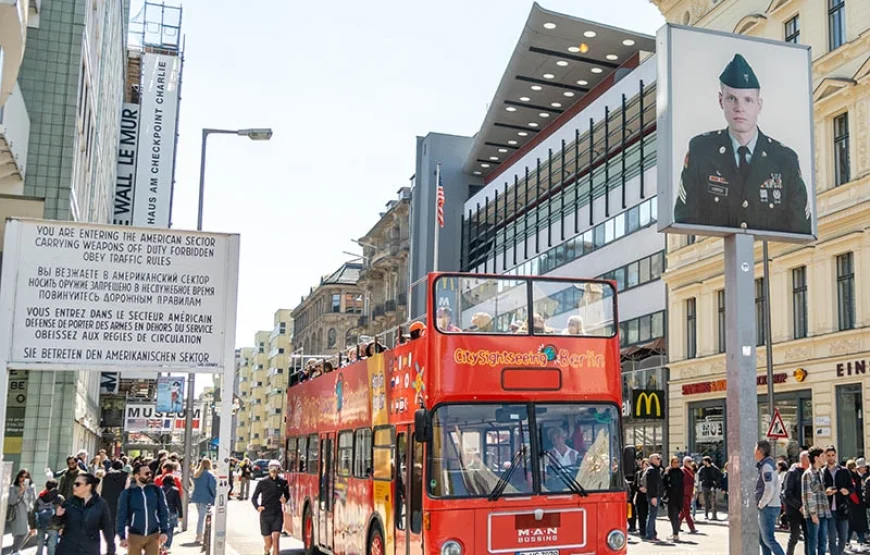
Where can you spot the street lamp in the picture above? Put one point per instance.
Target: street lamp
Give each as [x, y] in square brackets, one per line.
[255, 134]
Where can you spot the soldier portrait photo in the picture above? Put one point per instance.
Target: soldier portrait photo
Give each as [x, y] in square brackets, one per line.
[737, 176]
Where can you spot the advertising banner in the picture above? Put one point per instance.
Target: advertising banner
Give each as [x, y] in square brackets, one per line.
[158, 118]
[125, 183]
[109, 383]
[89, 296]
[142, 417]
[15, 411]
[735, 135]
[170, 394]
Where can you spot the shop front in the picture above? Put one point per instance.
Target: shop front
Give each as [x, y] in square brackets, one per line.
[644, 406]
[708, 425]
[820, 404]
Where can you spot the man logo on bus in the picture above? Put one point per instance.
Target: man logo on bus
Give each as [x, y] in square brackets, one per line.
[537, 535]
[643, 404]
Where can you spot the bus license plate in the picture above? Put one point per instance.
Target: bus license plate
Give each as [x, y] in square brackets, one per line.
[547, 552]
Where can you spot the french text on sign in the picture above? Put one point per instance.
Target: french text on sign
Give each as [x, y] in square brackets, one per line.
[123, 297]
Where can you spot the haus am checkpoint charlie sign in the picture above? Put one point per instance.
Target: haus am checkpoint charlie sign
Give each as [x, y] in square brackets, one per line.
[89, 296]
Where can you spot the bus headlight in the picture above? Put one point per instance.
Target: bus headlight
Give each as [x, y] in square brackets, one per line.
[451, 547]
[615, 540]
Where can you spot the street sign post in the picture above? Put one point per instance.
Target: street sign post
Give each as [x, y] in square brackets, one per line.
[777, 429]
[99, 297]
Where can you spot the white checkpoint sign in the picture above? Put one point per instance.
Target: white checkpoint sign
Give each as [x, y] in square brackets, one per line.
[92, 295]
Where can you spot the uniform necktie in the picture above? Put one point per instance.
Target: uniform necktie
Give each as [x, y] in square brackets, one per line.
[743, 164]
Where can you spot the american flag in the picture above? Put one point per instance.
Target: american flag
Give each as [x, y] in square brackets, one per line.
[439, 208]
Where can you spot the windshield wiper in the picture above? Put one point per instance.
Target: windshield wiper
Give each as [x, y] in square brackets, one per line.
[505, 477]
[566, 477]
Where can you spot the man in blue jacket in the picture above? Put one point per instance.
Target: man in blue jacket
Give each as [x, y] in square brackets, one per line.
[142, 509]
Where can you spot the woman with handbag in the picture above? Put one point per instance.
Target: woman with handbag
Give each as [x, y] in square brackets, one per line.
[19, 514]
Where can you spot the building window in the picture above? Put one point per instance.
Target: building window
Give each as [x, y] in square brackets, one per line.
[846, 291]
[336, 302]
[799, 301]
[353, 304]
[759, 311]
[841, 149]
[836, 23]
[793, 30]
[690, 239]
[691, 329]
[850, 417]
[721, 300]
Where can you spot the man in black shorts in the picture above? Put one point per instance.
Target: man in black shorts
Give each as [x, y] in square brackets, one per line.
[269, 498]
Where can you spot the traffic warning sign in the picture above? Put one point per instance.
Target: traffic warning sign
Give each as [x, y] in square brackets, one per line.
[777, 427]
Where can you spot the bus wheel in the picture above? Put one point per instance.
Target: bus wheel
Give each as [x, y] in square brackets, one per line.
[376, 542]
[308, 532]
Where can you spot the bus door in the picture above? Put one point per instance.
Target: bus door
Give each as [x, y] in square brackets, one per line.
[326, 490]
[408, 480]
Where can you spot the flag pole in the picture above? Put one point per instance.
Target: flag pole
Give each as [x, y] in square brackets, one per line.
[437, 226]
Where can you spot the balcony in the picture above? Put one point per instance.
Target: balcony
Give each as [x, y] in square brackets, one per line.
[14, 135]
[13, 36]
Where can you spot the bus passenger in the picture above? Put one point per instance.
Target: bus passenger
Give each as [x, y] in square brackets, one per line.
[540, 325]
[417, 330]
[327, 367]
[445, 320]
[481, 322]
[575, 326]
[516, 325]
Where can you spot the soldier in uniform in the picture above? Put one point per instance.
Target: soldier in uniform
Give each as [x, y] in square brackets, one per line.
[739, 177]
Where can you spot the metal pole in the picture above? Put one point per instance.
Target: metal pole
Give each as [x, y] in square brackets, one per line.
[768, 340]
[188, 417]
[742, 394]
[437, 227]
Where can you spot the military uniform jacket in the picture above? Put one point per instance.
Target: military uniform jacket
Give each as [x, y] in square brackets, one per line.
[713, 192]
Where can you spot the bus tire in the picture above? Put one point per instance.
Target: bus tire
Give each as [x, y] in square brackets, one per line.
[376, 541]
[308, 532]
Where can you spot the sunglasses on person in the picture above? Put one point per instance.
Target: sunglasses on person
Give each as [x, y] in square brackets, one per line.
[79, 484]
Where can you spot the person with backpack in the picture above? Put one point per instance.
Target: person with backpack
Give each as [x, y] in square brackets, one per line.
[710, 478]
[143, 518]
[173, 504]
[48, 524]
[792, 499]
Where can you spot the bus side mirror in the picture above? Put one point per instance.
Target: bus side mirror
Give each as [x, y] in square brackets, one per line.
[422, 426]
[629, 462]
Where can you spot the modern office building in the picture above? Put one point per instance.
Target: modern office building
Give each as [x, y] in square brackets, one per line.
[384, 275]
[819, 292]
[567, 155]
[71, 81]
[450, 152]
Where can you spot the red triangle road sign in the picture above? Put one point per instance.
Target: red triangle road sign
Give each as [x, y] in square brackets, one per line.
[777, 428]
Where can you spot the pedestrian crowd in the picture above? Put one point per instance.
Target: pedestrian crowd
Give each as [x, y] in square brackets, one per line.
[137, 499]
[820, 500]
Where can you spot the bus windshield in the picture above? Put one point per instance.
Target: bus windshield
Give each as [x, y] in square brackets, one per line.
[524, 306]
[481, 448]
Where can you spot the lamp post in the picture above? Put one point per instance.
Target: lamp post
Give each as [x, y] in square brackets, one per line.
[255, 134]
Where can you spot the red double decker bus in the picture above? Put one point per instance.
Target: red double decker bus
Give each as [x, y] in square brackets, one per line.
[497, 431]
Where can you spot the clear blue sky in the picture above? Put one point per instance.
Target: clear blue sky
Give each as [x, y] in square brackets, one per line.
[346, 86]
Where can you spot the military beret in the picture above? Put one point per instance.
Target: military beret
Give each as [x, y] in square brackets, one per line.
[738, 74]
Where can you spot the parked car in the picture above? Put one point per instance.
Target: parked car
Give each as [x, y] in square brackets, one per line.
[259, 468]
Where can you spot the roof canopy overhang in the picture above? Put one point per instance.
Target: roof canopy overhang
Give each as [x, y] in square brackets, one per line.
[557, 61]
